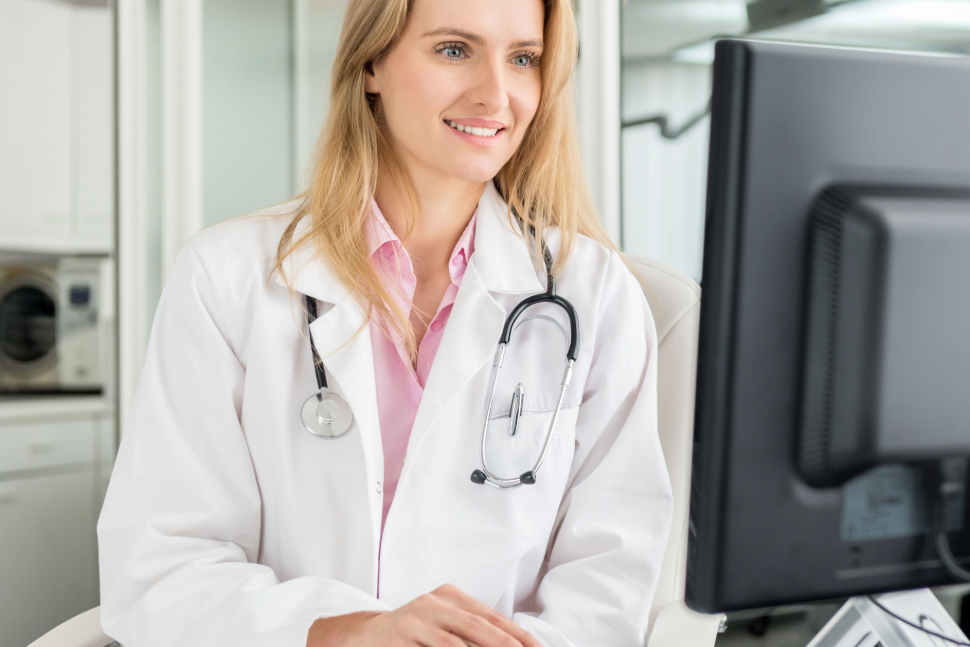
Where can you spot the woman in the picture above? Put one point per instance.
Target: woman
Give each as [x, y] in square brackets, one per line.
[449, 162]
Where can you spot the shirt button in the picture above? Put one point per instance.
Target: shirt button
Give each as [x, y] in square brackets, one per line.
[436, 326]
[456, 261]
[378, 487]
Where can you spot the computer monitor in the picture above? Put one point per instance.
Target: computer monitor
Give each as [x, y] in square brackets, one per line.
[794, 499]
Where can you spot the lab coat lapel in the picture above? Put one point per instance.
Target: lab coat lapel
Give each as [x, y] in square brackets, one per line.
[469, 342]
[349, 362]
[500, 264]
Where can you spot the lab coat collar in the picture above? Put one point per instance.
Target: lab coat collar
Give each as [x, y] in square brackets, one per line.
[305, 272]
[501, 256]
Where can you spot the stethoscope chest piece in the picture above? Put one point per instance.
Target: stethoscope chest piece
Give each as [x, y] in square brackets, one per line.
[327, 415]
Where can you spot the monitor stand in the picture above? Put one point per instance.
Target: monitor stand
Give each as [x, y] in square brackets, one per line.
[861, 623]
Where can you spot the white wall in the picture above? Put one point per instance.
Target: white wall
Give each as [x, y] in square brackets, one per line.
[664, 181]
[247, 106]
[316, 29]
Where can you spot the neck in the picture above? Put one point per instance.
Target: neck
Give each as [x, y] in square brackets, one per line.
[445, 205]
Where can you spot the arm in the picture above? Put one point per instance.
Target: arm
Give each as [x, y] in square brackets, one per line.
[612, 528]
[180, 529]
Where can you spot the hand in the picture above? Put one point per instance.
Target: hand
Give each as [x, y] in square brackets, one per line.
[446, 617]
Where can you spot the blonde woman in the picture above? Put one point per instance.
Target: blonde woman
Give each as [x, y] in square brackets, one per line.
[447, 169]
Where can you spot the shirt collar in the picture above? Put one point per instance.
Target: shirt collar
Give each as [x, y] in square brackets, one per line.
[380, 236]
[503, 260]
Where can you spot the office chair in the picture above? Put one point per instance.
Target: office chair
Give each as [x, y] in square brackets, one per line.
[674, 300]
[83, 630]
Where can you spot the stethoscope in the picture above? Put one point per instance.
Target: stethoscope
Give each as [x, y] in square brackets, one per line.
[324, 414]
[327, 415]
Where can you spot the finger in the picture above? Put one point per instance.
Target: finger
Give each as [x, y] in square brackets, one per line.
[466, 602]
[437, 637]
[478, 630]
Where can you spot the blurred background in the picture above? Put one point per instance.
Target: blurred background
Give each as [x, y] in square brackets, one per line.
[127, 126]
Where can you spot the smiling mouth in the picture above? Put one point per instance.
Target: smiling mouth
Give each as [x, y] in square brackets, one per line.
[475, 130]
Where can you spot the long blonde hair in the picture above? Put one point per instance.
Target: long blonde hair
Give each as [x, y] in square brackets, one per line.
[543, 183]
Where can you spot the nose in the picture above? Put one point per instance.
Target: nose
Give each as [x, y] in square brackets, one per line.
[489, 89]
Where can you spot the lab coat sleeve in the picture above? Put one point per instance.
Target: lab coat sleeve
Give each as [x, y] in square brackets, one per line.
[604, 560]
[179, 533]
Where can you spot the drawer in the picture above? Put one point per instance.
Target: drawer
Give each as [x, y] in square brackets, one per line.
[46, 444]
[48, 565]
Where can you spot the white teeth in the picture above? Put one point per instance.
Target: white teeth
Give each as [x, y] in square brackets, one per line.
[474, 130]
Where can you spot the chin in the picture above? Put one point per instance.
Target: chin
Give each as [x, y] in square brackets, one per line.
[473, 171]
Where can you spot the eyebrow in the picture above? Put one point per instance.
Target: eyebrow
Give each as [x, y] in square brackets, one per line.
[475, 38]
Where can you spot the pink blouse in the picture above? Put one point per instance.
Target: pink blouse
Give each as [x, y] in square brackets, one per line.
[399, 385]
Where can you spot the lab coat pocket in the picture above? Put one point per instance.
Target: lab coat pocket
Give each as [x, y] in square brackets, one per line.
[511, 455]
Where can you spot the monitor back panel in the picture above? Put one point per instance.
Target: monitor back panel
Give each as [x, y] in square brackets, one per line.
[789, 120]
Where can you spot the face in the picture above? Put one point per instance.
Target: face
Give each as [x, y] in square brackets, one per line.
[461, 85]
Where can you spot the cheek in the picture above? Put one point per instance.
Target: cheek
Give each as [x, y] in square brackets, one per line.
[524, 102]
[414, 99]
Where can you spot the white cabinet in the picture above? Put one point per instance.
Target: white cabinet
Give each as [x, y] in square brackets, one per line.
[35, 128]
[49, 568]
[56, 126]
[94, 118]
[53, 475]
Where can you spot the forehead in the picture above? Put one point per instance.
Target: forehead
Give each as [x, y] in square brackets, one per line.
[499, 22]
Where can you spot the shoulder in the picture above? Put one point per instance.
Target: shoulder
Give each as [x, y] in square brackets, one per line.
[612, 295]
[235, 257]
[225, 270]
[598, 268]
[251, 240]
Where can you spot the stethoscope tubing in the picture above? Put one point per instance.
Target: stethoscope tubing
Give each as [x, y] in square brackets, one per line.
[526, 478]
[319, 424]
[485, 475]
[311, 315]
[545, 297]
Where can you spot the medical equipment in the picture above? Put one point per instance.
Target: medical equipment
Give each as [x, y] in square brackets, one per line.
[328, 415]
[324, 414]
[485, 475]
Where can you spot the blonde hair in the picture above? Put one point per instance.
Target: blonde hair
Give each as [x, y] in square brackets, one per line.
[543, 182]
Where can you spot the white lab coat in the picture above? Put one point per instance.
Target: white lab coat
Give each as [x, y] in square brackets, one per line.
[226, 523]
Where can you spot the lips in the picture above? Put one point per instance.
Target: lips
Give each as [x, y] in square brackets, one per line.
[476, 130]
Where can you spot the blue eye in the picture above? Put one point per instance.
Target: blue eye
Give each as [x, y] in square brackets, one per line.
[522, 61]
[452, 52]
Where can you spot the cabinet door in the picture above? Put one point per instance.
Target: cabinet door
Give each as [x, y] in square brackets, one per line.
[48, 570]
[35, 121]
[40, 445]
[93, 39]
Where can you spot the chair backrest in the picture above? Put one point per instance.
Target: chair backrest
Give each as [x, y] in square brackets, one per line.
[674, 300]
[83, 630]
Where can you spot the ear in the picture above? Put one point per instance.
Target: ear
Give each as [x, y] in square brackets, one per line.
[372, 84]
